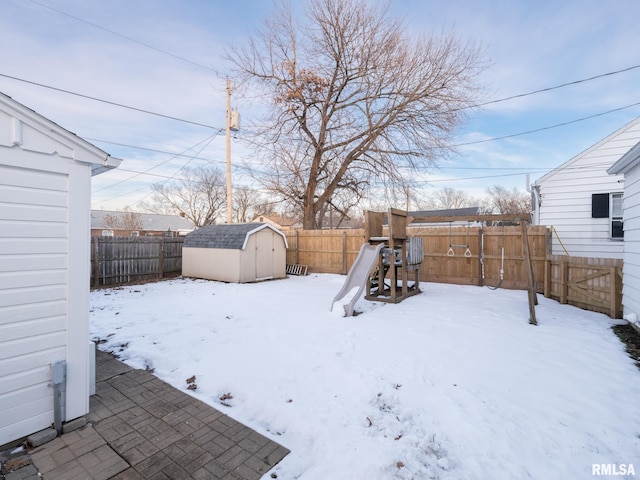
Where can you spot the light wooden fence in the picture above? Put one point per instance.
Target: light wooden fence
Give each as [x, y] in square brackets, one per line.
[119, 260]
[334, 251]
[589, 283]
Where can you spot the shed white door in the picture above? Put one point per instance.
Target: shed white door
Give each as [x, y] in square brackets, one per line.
[264, 254]
[33, 295]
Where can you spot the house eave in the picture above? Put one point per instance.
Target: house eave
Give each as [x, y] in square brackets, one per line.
[627, 162]
[593, 147]
[109, 164]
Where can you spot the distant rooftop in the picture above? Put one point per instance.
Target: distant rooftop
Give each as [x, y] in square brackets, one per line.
[151, 221]
[449, 212]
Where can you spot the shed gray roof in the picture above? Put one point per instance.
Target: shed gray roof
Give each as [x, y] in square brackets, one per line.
[228, 236]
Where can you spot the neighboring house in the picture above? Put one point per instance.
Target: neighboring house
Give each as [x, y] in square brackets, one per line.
[127, 224]
[582, 202]
[238, 253]
[45, 198]
[423, 215]
[335, 222]
[629, 166]
[278, 221]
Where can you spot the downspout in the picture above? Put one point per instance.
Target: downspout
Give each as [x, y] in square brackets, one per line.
[59, 382]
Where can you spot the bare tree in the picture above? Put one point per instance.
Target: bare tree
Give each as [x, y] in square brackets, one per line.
[354, 99]
[509, 202]
[447, 198]
[246, 202]
[132, 221]
[200, 195]
[126, 221]
[111, 221]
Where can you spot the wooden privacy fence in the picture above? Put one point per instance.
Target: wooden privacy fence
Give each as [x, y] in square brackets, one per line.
[479, 254]
[118, 260]
[334, 251]
[589, 283]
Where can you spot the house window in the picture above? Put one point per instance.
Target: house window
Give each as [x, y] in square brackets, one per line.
[135, 233]
[617, 223]
[107, 233]
[609, 205]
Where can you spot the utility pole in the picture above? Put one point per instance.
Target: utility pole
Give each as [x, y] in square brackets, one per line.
[229, 193]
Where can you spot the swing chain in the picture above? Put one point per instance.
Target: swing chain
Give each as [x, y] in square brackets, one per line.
[467, 252]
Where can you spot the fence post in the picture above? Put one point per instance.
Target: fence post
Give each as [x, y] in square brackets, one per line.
[547, 278]
[297, 246]
[161, 258]
[533, 299]
[564, 280]
[95, 255]
[616, 286]
[480, 282]
[94, 262]
[344, 253]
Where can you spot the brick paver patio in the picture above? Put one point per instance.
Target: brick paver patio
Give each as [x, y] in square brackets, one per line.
[140, 427]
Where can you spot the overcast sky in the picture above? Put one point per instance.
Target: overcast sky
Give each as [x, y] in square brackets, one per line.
[166, 57]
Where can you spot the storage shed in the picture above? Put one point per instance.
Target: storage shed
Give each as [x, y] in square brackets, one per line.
[45, 204]
[237, 253]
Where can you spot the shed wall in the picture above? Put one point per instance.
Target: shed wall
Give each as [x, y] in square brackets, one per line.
[265, 257]
[211, 263]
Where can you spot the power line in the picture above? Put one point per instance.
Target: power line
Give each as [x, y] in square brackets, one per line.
[511, 97]
[455, 145]
[109, 102]
[183, 154]
[547, 128]
[153, 150]
[127, 38]
[562, 85]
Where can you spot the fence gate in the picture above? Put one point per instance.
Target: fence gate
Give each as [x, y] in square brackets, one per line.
[590, 283]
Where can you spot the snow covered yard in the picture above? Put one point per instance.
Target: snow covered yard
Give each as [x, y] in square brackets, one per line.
[452, 383]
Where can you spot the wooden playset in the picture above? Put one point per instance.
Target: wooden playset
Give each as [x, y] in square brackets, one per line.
[399, 257]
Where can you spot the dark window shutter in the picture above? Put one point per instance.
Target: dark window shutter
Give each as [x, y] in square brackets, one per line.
[600, 205]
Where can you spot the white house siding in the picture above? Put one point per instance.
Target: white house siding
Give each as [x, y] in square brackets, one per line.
[631, 285]
[45, 194]
[33, 293]
[565, 197]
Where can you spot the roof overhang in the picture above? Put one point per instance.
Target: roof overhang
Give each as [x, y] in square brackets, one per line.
[627, 162]
[109, 164]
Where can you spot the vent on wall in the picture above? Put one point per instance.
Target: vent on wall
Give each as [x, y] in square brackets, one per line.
[16, 131]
